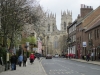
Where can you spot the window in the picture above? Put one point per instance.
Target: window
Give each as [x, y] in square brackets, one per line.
[90, 36]
[74, 38]
[56, 42]
[80, 39]
[97, 33]
[48, 27]
[77, 40]
[53, 27]
[64, 25]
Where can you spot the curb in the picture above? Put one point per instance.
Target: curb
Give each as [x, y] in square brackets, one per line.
[43, 68]
[85, 62]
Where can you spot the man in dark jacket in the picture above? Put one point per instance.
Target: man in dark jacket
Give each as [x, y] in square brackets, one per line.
[13, 61]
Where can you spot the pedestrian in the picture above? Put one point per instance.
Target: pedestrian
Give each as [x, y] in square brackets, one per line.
[13, 61]
[24, 60]
[37, 56]
[20, 60]
[92, 56]
[32, 57]
[87, 57]
[99, 56]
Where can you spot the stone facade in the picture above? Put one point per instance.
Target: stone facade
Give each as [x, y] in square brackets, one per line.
[54, 37]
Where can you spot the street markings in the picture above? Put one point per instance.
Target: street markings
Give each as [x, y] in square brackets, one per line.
[82, 74]
[94, 68]
[80, 65]
[60, 71]
[48, 63]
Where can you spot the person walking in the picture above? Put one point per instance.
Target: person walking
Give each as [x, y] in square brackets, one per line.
[87, 57]
[13, 61]
[92, 56]
[99, 56]
[20, 60]
[37, 56]
[24, 60]
[32, 57]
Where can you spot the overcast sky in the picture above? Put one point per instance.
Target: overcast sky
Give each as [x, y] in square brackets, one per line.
[56, 6]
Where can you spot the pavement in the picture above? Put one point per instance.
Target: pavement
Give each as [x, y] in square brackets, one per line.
[37, 69]
[2, 68]
[31, 69]
[89, 62]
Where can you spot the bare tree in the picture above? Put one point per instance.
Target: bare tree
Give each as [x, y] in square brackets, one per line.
[15, 14]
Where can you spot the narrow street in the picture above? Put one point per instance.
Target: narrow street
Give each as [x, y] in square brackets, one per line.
[62, 66]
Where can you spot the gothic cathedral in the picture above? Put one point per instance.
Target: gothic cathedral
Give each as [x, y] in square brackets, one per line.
[55, 38]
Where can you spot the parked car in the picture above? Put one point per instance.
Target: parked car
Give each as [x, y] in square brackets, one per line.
[56, 55]
[48, 56]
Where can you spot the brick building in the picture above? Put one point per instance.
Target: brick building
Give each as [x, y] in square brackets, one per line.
[87, 34]
[93, 39]
[75, 31]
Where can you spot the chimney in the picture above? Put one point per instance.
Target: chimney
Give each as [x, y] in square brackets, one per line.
[84, 10]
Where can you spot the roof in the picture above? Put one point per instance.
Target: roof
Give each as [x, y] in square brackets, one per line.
[82, 20]
[96, 24]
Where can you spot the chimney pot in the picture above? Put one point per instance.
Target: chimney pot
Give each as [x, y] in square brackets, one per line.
[87, 6]
[84, 6]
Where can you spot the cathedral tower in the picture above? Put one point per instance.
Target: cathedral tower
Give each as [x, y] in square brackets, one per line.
[51, 23]
[66, 18]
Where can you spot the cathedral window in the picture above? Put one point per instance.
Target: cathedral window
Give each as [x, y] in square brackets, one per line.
[53, 27]
[55, 42]
[48, 27]
[64, 25]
